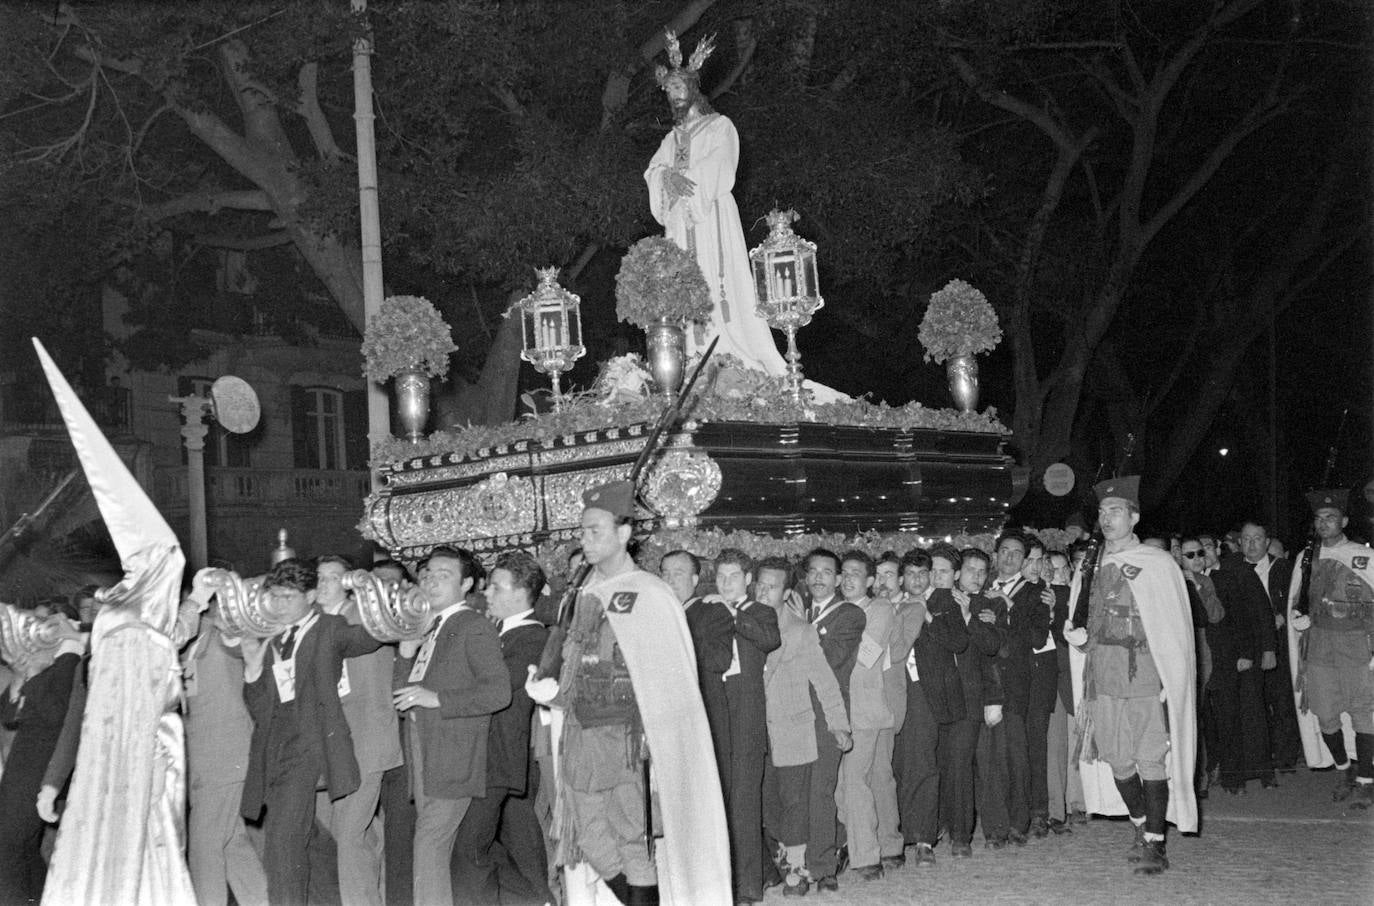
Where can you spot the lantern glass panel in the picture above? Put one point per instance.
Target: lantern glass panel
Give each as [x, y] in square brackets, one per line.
[574, 326]
[761, 277]
[529, 325]
[809, 275]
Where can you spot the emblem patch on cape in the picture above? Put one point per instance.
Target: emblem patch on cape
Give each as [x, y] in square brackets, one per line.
[1129, 571]
[622, 602]
[1359, 563]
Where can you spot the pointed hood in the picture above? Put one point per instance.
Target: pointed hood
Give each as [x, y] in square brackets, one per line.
[148, 549]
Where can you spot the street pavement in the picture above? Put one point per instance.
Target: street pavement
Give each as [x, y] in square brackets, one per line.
[1282, 846]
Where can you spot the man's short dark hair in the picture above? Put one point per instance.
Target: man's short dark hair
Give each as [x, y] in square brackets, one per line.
[949, 553]
[388, 563]
[691, 557]
[340, 559]
[294, 573]
[780, 564]
[1010, 535]
[858, 556]
[821, 552]
[890, 557]
[1034, 543]
[471, 568]
[525, 570]
[736, 556]
[917, 557]
[975, 553]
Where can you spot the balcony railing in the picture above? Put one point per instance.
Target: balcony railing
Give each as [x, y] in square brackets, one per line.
[31, 407]
[225, 487]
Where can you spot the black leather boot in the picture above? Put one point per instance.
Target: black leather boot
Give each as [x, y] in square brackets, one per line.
[643, 896]
[620, 887]
[1153, 859]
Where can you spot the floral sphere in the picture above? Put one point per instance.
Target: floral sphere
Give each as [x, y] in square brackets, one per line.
[407, 334]
[959, 321]
[659, 280]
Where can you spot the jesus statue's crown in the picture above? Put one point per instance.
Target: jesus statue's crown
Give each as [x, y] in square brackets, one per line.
[692, 71]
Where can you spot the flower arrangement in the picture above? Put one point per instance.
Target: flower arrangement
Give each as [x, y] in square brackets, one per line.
[959, 321]
[623, 379]
[407, 334]
[659, 280]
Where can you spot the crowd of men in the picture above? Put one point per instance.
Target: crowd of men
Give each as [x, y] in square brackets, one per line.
[857, 712]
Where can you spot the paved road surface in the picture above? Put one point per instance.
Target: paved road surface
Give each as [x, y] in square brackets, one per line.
[1291, 845]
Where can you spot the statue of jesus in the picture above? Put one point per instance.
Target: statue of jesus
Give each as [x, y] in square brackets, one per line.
[690, 179]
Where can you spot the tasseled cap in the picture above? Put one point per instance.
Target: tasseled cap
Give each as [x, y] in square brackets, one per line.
[615, 497]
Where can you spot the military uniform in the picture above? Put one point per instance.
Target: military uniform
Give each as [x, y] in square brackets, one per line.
[1335, 673]
[1140, 652]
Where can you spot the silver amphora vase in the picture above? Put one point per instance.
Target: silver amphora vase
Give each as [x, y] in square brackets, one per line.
[411, 399]
[962, 371]
[667, 345]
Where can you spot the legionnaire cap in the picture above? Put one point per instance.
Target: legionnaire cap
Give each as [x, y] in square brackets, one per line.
[615, 497]
[1127, 488]
[1328, 500]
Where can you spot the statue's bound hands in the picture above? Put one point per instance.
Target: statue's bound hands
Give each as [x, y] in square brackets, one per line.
[679, 186]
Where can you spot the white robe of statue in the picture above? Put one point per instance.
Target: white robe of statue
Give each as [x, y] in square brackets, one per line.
[707, 224]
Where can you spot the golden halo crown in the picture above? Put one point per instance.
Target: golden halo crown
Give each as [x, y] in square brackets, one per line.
[692, 71]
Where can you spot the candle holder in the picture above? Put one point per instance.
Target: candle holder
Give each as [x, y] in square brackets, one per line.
[788, 292]
[551, 329]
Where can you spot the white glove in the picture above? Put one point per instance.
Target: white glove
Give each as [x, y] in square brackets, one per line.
[1076, 636]
[1301, 622]
[47, 804]
[992, 715]
[542, 691]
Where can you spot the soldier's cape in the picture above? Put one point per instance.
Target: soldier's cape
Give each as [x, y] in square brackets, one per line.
[649, 626]
[122, 837]
[1162, 599]
[1344, 562]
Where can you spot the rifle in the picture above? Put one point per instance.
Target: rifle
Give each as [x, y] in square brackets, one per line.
[1079, 619]
[551, 660]
[1309, 553]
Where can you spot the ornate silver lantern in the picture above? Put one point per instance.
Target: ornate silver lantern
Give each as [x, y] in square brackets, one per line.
[551, 328]
[786, 285]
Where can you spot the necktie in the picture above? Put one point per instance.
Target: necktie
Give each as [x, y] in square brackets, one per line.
[426, 651]
[288, 644]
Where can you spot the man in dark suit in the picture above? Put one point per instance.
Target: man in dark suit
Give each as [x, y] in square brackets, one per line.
[754, 634]
[1029, 703]
[34, 707]
[457, 680]
[514, 585]
[1275, 573]
[840, 625]
[365, 691]
[1243, 647]
[934, 698]
[712, 628]
[300, 734]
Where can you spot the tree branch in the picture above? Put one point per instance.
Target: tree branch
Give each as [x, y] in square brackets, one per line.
[211, 203]
[244, 244]
[309, 108]
[746, 42]
[617, 91]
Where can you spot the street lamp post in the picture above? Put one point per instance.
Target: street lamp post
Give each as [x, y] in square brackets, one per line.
[234, 405]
